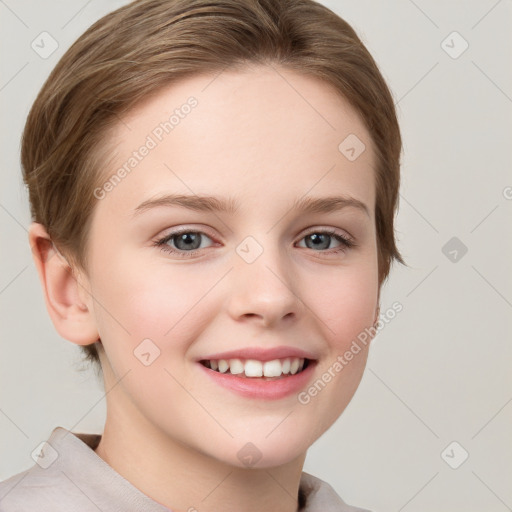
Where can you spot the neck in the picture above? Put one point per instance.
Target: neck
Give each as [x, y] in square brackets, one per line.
[186, 480]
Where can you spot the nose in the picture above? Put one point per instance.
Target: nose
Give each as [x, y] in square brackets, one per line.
[265, 290]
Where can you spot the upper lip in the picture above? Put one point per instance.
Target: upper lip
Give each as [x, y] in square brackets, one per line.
[261, 354]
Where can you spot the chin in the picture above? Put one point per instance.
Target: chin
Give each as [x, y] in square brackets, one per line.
[268, 452]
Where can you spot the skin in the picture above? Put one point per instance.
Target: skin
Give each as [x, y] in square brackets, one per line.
[169, 430]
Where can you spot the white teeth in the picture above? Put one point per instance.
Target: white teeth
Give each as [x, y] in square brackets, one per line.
[272, 368]
[236, 366]
[255, 368]
[294, 368]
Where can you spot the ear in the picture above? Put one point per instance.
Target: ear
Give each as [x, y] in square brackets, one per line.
[376, 318]
[377, 313]
[63, 294]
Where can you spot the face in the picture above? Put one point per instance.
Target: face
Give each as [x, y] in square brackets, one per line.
[184, 286]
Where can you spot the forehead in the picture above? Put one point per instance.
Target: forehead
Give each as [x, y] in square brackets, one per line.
[263, 133]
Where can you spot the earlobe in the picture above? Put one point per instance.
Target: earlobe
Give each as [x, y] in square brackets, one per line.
[70, 315]
[377, 313]
[375, 322]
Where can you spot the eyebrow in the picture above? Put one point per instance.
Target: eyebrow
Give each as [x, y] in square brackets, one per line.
[229, 205]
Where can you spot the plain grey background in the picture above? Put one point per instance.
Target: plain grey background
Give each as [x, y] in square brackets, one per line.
[440, 371]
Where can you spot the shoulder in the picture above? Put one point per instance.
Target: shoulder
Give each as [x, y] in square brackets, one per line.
[51, 484]
[36, 489]
[321, 497]
[69, 476]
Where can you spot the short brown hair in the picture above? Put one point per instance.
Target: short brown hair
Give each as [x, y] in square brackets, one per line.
[146, 45]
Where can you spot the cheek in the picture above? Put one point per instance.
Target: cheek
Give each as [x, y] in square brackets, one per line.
[345, 303]
[145, 301]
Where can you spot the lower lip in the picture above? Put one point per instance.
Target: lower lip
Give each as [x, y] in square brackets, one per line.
[254, 387]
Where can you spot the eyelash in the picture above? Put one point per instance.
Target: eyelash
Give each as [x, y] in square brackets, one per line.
[346, 243]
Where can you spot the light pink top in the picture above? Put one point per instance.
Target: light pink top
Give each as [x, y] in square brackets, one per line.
[71, 477]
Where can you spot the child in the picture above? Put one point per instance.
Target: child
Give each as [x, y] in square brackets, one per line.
[260, 133]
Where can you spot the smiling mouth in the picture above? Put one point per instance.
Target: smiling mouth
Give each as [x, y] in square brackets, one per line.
[252, 368]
